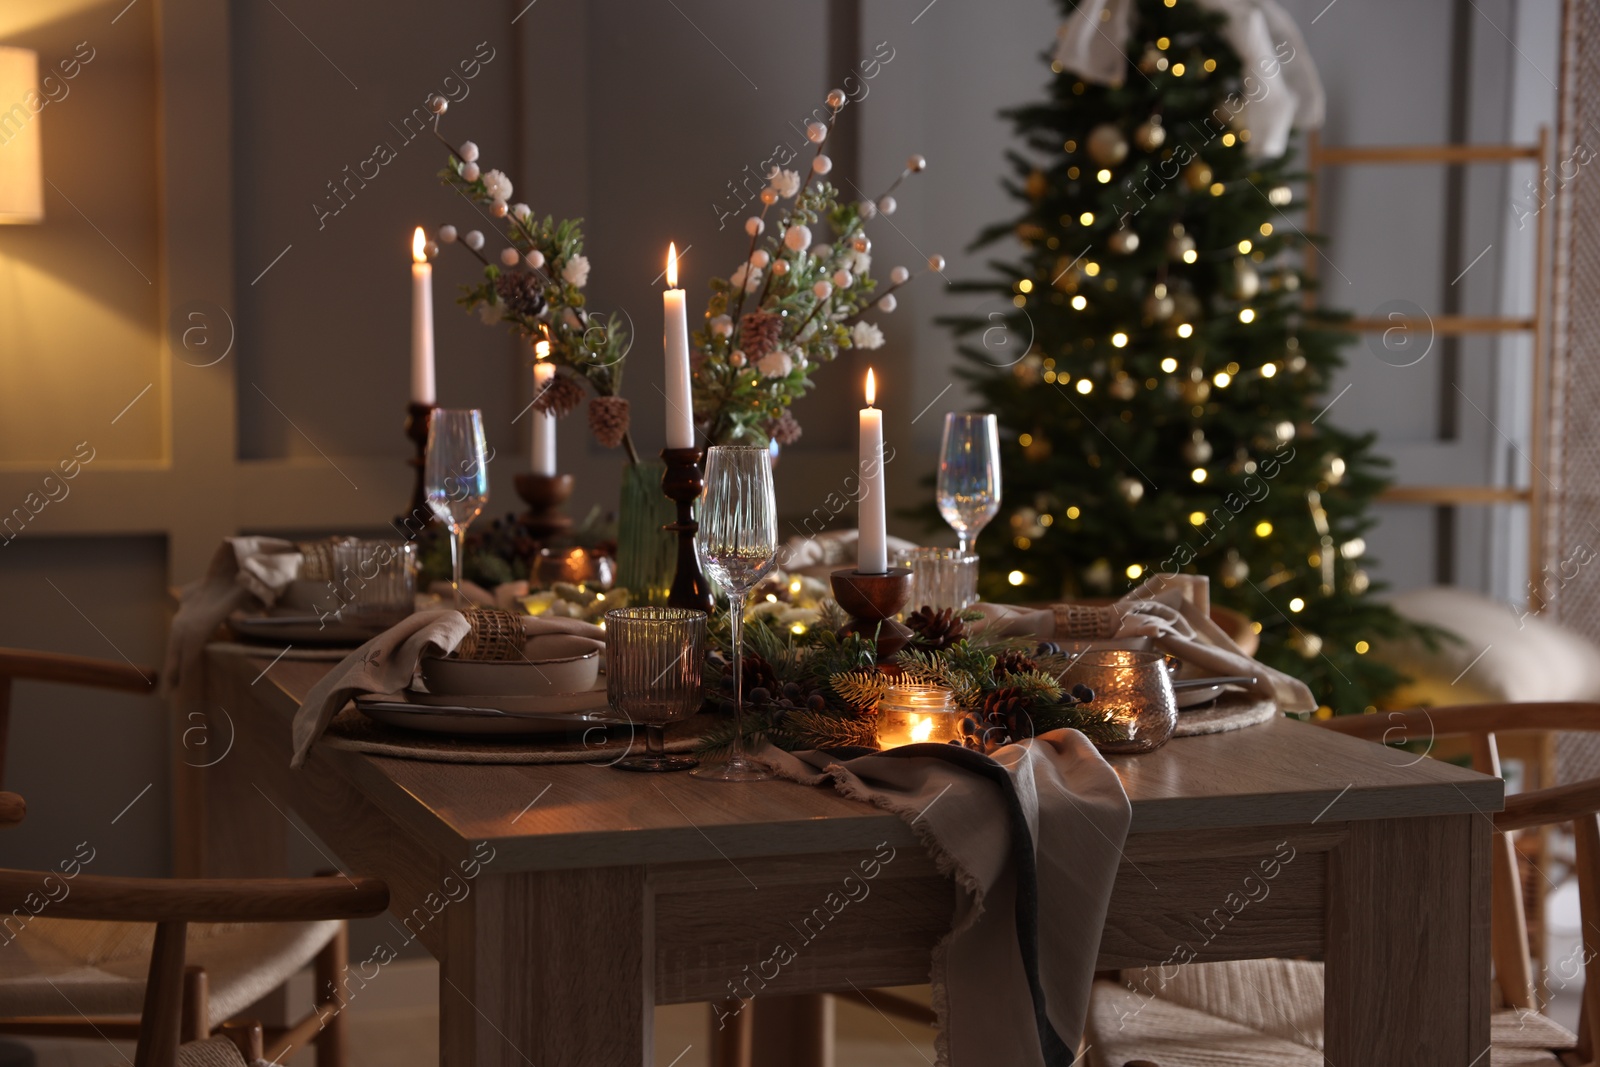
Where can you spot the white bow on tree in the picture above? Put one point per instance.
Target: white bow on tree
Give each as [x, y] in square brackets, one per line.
[1282, 88]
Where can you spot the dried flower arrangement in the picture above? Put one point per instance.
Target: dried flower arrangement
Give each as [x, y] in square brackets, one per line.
[809, 296]
[535, 285]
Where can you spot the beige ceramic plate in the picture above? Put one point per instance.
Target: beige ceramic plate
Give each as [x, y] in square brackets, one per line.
[555, 664]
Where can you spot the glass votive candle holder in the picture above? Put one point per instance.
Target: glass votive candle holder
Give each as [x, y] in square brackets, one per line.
[1133, 690]
[655, 659]
[374, 581]
[940, 577]
[914, 714]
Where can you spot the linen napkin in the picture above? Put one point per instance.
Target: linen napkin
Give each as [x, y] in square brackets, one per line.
[1174, 611]
[818, 555]
[1032, 836]
[387, 662]
[244, 572]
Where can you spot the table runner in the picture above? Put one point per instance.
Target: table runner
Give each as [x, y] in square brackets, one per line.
[1011, 980]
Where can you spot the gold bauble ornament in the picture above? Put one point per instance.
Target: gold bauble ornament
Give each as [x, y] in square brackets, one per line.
[1159, 307]
[1107, 146]
[1037, 185]
[1234, 569]
[1123, 241]
[1306, 643]
[1151, 135]
[1246, 282]
[1197, 449]
[1197, 175]
[1185, 305]
[1130, 489]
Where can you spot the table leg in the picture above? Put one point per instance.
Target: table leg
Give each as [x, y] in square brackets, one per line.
[552, 968]
[794, 1031]
[1408, 943]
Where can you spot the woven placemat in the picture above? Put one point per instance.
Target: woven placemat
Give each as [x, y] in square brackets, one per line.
[354, 732]
[1233, 710]
[239, 648]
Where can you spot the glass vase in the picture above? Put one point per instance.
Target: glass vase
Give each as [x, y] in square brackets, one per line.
[647, 554]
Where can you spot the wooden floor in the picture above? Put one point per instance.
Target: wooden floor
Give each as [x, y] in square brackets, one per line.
[398, 1026]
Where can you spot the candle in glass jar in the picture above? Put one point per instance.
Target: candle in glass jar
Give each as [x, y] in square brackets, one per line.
[675, 340]
[544, 422]
[422, 386]
[872, 538]
[917, 714]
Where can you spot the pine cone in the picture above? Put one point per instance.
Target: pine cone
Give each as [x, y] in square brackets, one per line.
[1006, 712]
[608, 419]
[522, 293]
[560, 396]
[936, 629]
[755, 672]
[759, 334]
[785, 429]
[1011, 661]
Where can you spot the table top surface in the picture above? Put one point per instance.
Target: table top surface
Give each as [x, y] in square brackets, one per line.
[551, 816]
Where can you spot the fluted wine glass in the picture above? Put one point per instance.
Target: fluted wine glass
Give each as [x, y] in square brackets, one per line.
[456, 478]
[738, 542]
[969, 473]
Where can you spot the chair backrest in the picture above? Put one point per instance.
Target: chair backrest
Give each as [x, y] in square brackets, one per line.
[1576, 804]
[28, 665]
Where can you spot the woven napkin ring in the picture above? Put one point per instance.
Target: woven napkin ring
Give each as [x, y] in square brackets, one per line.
[495, 634]
[1086, 621]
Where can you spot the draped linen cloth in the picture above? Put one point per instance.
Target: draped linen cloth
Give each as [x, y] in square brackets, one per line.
[244, 572]
[1282, 88]
[1032, 836]
[387, 662]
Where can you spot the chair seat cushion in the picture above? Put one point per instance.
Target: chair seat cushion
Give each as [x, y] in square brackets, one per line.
[1275, 995]
[70, 966]
[218, 1052]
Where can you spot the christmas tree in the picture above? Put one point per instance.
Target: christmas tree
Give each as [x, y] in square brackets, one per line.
[1170, 413]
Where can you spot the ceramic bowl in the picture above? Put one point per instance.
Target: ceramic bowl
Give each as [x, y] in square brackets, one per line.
[555, 663]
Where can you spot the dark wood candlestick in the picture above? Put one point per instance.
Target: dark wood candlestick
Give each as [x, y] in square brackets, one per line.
[544, 494]
[683, 482]
[418, 416]
[872, 601]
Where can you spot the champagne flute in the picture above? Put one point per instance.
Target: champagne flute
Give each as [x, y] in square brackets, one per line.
[738, 542]
[456, 478]
[969, 473]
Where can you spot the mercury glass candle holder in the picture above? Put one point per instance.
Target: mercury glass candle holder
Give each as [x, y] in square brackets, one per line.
[915, 714]
[1133, 690]
[654, 662]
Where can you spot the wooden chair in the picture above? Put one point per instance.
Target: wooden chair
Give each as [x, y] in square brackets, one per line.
[1270, 1011]
[74, 949]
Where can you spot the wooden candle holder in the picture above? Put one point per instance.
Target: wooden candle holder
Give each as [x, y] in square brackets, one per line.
[683, 482]
[544, 494]
[421, 516]
[872, 601]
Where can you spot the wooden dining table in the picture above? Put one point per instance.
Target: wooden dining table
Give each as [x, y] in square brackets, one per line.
[565, 901]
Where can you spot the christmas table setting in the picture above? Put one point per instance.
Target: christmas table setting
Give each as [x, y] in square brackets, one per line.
[1004, 739]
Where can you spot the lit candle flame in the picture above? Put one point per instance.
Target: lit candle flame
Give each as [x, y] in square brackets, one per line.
[541, 350]
[921, 728]
[872, 388]
[418, 242]
[672, 265]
